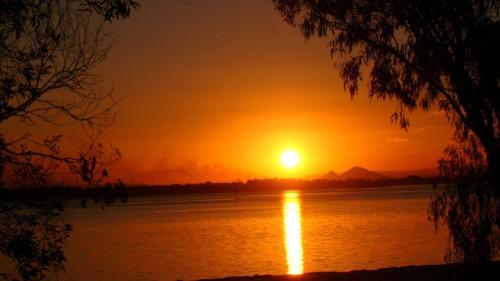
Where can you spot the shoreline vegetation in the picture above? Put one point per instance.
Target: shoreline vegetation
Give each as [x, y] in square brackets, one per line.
[448, 272]
[255, 185]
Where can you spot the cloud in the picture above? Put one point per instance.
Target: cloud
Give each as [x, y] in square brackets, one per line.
[420, 129]
[397, 139]
[166, 171]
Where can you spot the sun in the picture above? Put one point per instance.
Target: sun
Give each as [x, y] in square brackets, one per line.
[290, 158]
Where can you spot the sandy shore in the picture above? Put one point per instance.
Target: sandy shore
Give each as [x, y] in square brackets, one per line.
[490, 271]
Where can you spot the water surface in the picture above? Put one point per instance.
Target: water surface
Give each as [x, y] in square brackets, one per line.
[216, 235]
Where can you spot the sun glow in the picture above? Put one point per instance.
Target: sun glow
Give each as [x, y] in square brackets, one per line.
[293, 233]
[290, 158]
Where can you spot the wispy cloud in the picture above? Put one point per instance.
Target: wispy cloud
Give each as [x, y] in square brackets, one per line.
[438, 112]
[397, 139]
[420, 129]
[167, 171]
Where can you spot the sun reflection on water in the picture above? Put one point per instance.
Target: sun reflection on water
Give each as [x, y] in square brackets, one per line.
[293, 232]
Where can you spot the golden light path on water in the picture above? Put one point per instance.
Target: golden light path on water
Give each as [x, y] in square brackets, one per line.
[293, 232]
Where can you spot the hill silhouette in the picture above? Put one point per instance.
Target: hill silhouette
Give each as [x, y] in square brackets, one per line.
[331, 175]
[357, 172]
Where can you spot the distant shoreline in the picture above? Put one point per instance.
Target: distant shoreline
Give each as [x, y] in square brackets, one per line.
[488, 271]
[256, 185]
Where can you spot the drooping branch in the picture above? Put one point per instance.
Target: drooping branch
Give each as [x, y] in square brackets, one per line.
[420, 53]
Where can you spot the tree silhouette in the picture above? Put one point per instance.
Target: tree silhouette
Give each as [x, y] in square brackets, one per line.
[422, 54]
[48, 51]
[466, 204]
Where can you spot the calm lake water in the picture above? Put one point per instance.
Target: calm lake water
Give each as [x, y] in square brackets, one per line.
[215, 235]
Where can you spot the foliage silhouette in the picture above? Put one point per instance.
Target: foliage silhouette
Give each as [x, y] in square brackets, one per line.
[33, 236]
[425, 54]
[48, 51]
[467, 204]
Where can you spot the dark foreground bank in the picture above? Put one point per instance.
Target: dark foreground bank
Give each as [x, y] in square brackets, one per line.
[490, 271]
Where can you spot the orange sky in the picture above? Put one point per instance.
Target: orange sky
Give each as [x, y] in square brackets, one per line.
[215, 90]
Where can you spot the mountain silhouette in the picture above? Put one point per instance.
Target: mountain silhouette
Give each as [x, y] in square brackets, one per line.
[361, 173]
[357, 172]
[331, 175]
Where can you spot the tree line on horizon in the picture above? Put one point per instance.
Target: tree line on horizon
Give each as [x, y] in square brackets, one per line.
[123, 192]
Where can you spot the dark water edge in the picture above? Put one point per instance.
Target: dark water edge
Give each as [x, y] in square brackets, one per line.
[488, 271]
[255, 185]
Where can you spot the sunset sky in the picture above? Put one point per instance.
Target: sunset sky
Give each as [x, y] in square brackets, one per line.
[216, 90]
